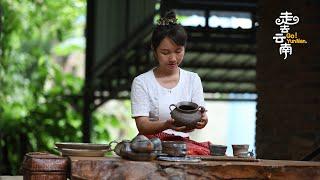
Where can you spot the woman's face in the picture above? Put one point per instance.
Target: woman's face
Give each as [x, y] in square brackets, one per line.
[169, 54]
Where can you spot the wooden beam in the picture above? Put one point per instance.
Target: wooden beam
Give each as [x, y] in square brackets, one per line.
[238, 51]
[89, 62]
[213, 66]
[246, 6]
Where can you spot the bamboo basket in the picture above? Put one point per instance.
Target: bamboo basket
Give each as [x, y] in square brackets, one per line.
[42, 165]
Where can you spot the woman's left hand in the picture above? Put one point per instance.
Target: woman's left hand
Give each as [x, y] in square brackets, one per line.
[203, 121]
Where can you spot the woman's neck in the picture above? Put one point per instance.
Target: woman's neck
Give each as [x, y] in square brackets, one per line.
[159, 72]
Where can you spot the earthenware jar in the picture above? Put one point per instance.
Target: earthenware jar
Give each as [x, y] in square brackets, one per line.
[174, 148]
[240, 149]
[123, 149]
[157, 145]
[217, 150]
[141, 144]
[118, 149]
[186, 114]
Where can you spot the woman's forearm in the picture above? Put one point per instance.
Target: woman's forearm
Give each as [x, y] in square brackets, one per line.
[145, 126]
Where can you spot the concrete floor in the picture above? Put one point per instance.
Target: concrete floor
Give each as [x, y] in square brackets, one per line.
[11, 177]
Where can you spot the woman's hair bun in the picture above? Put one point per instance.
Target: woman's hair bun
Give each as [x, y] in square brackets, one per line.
[168, 19]
[170, 14]
[167, 26]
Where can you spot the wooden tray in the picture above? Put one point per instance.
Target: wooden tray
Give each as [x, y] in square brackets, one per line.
[226, 158]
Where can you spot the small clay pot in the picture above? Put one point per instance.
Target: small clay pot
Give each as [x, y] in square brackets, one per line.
[119, 146]
[217, 150]
[140, 156]
[141, 144]
[174, 148]
[240, 149]
[157, 145]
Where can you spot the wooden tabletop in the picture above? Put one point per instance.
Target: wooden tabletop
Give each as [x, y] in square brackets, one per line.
[114, 167]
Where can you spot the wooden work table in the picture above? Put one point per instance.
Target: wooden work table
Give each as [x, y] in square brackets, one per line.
[117, 168]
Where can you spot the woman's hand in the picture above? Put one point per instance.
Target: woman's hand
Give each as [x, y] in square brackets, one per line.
[203, 121]
[170, 125]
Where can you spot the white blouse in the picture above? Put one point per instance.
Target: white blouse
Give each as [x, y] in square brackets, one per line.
[149, 98]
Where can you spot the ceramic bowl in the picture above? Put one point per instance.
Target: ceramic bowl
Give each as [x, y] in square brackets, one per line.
[217, 150]
[240, 149]
[174, 148]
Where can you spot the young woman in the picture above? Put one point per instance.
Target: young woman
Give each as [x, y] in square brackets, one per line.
[153, 92]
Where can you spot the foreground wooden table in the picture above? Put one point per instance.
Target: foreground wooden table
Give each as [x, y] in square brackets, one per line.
[117, 168]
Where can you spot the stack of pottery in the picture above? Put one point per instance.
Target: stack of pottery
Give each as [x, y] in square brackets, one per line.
[139, 149]
[82, 149]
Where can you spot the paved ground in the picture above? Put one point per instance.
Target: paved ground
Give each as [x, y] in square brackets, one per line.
[11, 178]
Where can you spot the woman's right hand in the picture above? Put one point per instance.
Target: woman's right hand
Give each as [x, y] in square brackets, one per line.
[170, 125]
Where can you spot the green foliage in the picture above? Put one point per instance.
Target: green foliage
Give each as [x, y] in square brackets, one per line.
[39, 103]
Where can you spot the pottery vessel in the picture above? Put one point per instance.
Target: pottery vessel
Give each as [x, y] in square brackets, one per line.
[141, 144]
[217, 150]
[240, 149]
[186, 114]
[174, 148]
[139, 149]
[157, 145]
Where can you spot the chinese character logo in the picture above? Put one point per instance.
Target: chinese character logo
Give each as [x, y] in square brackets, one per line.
[285, 38]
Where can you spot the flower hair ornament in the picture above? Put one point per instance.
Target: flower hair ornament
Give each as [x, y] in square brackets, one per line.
[164, 21]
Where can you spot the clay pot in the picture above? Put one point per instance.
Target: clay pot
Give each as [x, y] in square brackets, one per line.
[186, 114]
[141, 144]
[217, 150]
[240, 149]
[157, 145]
[139, 149]
[140, 156]
[124, 150]
[127, 153]
[119, 146]
[174, 148]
